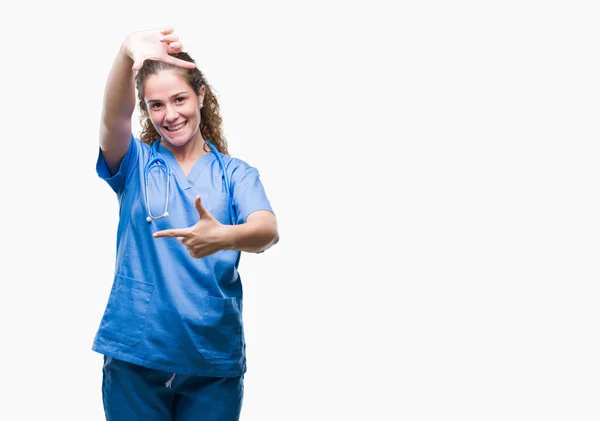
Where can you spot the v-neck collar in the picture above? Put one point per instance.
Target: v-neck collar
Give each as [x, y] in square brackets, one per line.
[189, 181]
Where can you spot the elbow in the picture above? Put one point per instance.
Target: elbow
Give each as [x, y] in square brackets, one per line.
[263, 231]
[275, 238]
[274, 234]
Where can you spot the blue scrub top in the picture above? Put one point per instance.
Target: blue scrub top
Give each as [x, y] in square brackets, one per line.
[168, 310]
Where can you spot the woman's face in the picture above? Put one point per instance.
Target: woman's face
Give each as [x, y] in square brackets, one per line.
[173, 106]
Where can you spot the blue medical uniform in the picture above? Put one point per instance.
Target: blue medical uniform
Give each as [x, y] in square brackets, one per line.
[168, 311]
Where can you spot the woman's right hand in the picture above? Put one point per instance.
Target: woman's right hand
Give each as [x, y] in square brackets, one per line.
[154, 44]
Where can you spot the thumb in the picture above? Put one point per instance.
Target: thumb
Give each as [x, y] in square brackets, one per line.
[179, 63]
[137, 64]
[202, 212]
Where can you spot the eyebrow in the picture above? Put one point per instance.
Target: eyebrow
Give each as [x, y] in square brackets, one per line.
[171, 97]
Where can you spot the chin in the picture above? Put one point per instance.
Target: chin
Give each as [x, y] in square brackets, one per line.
[176, 141]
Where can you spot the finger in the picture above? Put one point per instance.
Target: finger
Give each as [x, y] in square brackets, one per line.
[171, 233]
[178, 62]
[197, 254]
[186, 241]
[166, 30]
[175, 47]
[169, 38]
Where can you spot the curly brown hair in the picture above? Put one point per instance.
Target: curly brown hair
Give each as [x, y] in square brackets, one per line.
[210, 117]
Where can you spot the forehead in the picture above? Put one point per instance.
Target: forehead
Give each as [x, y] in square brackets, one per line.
[164, 84]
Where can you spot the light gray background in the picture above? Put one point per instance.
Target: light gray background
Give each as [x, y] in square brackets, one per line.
[434, 169]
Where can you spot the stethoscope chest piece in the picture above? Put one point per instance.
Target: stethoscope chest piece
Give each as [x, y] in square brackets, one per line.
[152, 218]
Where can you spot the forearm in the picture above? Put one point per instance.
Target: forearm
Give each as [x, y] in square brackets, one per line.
[254, 236]
[118, 107]
[119, 92]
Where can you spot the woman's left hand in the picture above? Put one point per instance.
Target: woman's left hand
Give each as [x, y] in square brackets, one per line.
[202, 239]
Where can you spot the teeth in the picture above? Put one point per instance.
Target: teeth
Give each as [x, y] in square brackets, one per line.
[173, 128]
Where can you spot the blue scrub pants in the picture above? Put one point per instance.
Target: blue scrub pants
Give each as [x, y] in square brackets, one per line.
[134, 393]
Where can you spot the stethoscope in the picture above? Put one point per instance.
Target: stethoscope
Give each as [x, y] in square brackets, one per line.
[156, 160]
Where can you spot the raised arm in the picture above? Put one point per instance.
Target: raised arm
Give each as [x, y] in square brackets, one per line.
[119, 92]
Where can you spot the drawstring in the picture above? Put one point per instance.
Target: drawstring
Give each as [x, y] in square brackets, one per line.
[170, 381]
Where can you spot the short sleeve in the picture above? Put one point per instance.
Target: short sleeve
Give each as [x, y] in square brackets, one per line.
[248, 192]
[128, 164]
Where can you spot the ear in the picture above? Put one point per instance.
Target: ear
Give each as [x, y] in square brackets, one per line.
[201, 96]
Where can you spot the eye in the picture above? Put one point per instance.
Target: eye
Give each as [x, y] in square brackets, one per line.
[179, 99]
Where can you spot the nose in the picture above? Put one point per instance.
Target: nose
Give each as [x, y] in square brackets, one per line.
[171, 113]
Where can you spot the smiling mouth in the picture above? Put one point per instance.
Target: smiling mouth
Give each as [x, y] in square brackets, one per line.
[176, 127]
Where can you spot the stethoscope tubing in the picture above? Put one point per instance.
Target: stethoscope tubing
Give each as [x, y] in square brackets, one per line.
[157, 160]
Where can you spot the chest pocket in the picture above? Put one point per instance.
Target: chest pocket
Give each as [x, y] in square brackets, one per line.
[218, 206]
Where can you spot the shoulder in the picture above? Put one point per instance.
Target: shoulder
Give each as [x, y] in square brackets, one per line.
[234, 164]
[142, 149]
[139, 143]
[239, 170]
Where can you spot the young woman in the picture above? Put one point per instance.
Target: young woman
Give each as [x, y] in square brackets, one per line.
[172, 333]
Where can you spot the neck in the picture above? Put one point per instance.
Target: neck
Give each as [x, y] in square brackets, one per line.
[190, 151]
